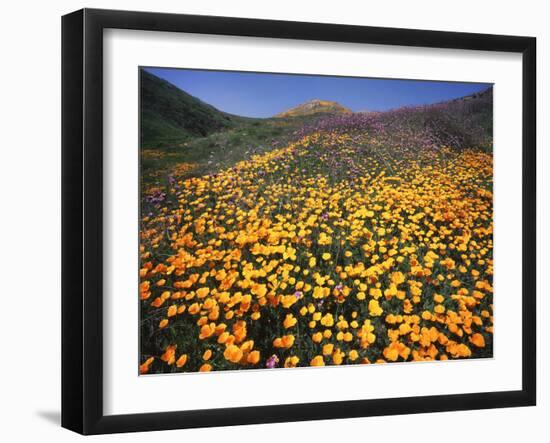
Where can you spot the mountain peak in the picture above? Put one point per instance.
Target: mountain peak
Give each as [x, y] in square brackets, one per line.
[315, 106]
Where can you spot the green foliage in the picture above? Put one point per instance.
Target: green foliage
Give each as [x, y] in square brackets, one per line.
[220, 149]
[170, 115]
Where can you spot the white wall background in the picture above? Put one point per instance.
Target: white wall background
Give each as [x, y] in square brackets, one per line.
[30, 221]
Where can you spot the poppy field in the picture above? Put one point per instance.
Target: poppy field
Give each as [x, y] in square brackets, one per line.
[358, 238]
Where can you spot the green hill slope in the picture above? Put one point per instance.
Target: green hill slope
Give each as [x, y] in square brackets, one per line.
[170, 115]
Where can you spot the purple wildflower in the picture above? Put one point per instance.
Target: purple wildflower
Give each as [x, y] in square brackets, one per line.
[272, 362]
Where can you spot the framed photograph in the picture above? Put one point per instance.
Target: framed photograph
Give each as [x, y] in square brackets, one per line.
[270, 221]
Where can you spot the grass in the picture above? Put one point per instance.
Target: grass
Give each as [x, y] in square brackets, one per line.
[220, 149]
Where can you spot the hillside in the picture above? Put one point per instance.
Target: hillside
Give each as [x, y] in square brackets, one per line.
[314, 107]
[461, 123]
[358, 239]
[170, 115]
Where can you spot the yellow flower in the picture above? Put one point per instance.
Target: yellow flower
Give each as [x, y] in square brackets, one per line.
[374, 308]
[286, 341]
[240, 331]
[327, 320]
[172, 310]
[366, 335]
[223, 337]
[289, 321]
[288, 300]
[320, 292]
[291, 361]
[203, 292]
[233, 353]
[478, 340]
[338, 357]
[253, 357]
[144, 367]
[169, 355]
[458, 350]
[194, 308]
[375, 292]
[397, 278]
[395, 350]
[391, 354]
[317, 337]
[207, 331]
[438, 298]
[181, 360]
[328, 348]
[205, 368]
[259, 290]
[317, 361]
[326, 256]
[247, 346]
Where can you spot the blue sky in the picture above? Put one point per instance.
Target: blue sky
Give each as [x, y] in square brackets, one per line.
[264, 95]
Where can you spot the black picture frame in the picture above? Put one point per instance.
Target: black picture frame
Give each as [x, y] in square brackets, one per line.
[82, 217]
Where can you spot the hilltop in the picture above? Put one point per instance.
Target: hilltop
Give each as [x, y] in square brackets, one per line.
[314, 107]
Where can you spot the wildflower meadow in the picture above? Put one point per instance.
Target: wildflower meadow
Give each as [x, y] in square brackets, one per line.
[341, 239]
